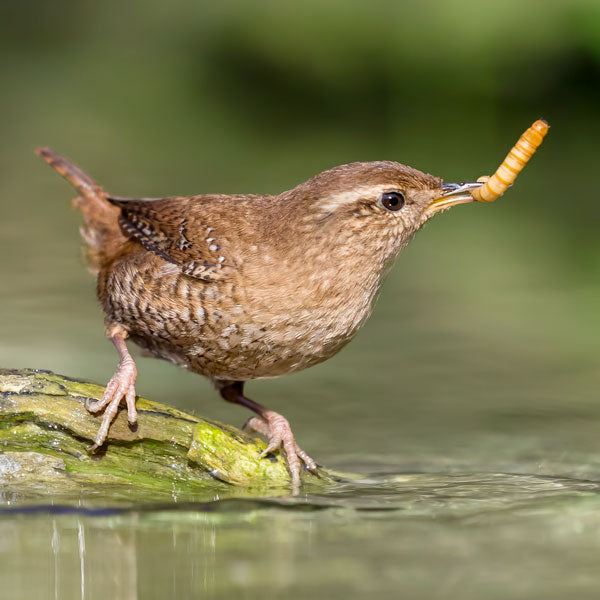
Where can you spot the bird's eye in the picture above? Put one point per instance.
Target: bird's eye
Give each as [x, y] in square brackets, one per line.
[392, 200]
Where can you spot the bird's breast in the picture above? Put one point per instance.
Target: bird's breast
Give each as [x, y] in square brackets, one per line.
[237, 328]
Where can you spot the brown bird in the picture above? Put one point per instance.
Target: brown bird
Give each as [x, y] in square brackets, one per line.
[241, 287]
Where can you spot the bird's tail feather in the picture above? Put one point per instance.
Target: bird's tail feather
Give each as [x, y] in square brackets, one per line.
[100, 230]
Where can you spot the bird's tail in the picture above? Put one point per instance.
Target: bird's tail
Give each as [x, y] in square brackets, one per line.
[100, 230]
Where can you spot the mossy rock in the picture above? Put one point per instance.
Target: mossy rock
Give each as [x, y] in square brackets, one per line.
[45, 433]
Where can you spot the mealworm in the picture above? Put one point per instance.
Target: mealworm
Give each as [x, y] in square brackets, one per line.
[512, 165]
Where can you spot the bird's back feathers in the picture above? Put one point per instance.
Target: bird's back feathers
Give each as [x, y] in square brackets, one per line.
[177, 235]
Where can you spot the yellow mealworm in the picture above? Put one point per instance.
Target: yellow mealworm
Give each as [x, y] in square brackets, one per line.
[512, 165]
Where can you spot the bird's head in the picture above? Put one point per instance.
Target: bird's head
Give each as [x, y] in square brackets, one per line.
[374, 207]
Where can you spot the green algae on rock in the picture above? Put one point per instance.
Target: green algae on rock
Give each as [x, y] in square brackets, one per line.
[45, 433]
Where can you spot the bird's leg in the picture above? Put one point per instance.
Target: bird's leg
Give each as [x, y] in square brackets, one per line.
[121, 385]
[272, 425]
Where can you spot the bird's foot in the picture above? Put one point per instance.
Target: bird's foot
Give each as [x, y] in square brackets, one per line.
[278, 432]
[121, 385]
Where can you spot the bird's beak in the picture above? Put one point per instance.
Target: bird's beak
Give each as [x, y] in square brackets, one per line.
[452, 194]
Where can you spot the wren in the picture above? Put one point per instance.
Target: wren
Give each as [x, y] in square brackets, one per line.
[241, 287]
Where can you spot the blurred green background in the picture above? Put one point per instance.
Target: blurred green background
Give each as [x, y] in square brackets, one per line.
[482, 353]
[491, 310]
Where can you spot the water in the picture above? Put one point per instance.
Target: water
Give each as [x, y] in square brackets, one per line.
[422, 535]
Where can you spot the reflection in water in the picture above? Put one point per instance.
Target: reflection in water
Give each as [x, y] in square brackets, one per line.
[209, 542]
[81, 540]
[55, 550]
[426, 535]
[101, 565]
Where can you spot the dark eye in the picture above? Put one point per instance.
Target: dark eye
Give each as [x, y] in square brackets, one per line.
[392, 200]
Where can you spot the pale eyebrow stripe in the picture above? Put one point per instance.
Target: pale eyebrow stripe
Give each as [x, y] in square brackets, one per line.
[344, 198]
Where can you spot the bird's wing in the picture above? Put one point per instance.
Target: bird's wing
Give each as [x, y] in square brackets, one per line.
[175, 230]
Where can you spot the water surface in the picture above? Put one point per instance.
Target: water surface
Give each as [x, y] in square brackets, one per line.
[422, 535]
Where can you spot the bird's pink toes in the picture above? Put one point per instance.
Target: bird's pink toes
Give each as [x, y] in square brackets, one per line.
[121, 385]
[278, 432]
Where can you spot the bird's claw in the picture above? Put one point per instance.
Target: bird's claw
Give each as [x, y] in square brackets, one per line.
[277, 430]
[121, 385]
